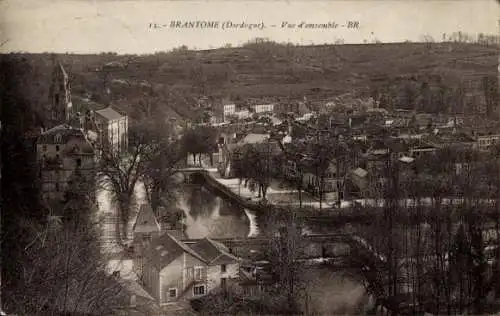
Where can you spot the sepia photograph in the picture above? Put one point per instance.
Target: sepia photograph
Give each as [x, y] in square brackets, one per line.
[163, 158]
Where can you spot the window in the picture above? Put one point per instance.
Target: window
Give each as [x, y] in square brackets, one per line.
[57, 187]
[199, 290]
[79, 162]
[57, 147]
[223, 268]
[189, 273]
[133, 301]
[198, 273]
[172, 293]
[44, 147]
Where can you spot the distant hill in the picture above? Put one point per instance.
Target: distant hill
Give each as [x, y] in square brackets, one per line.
[264, 70]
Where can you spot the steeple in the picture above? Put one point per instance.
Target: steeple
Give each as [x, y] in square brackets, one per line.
[61, 107]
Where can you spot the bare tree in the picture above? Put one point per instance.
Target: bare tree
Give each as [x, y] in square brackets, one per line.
[66, 270]
[119, 174]
[162, 158]
[283, 254]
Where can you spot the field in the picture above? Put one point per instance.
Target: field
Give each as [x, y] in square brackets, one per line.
[257, 71]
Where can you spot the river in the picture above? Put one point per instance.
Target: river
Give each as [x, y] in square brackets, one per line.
[206, 215]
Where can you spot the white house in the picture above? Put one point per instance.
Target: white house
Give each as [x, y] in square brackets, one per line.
[229, 110]
[112, 127]
[261, 108]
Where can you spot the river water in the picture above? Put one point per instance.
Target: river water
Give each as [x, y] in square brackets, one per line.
[205, 215]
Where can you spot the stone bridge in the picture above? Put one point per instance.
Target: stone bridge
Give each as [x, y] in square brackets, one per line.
[335, 246]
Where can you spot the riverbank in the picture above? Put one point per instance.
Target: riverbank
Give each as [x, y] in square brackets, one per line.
[278, 193]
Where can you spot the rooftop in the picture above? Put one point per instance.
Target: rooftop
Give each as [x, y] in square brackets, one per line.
[254, 138]
[360, 172]
[166, 248]
[213, 252]
[61, 134]
[110, 114]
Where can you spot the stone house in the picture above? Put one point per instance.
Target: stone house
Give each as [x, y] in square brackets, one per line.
[175, 271]
[61, 151]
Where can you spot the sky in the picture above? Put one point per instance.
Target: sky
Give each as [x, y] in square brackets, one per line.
[122, 26]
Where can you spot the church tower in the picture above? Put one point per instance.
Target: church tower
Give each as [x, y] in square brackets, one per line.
[61, 107]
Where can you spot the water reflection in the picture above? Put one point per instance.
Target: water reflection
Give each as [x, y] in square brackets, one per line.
[333, 292]
[207, 215]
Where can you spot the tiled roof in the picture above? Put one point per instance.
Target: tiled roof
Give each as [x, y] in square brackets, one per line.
[84, 104]
[213, 252]
[109, 113]
[166, 248]
[61, 134]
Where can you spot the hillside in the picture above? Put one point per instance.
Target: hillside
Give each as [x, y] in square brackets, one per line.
[261, 71]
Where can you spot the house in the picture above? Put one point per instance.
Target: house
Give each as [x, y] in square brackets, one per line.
[229, 110]
[286, 108]
[174, 271]
[359, 177]
[332, 182]
[60, 152]
[242, 114]
[485, 140]
[455, 139]
[262, 108]
[112, 129]
[421, 150]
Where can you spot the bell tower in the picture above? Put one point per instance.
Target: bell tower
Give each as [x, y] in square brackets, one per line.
[61, 107]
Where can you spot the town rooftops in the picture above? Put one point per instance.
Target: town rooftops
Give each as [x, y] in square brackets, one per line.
[146, 220]
[109, 113]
